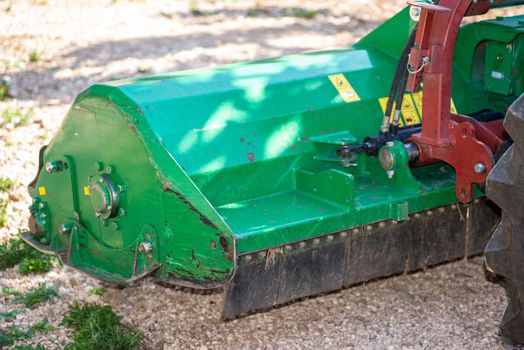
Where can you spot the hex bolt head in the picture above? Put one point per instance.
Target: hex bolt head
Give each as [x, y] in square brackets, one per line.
[479, 168]
[390, 173]
[54, 166]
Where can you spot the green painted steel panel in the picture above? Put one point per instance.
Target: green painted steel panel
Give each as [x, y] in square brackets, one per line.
[200, 166]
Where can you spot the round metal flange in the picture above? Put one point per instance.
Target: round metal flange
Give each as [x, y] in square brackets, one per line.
[103, 197]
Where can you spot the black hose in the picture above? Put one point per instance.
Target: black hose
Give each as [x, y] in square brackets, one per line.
[399, 101]
[400, 71]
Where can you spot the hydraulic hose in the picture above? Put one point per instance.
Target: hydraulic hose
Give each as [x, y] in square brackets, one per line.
[400, 71]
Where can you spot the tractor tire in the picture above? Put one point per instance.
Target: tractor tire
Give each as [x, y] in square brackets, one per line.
[504, 253]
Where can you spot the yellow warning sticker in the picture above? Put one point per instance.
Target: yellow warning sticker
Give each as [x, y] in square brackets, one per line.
[41, 191]
[344, 88]
[86, 191]
[411, 113]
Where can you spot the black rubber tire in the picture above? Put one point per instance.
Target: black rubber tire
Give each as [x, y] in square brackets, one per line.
[504, 253]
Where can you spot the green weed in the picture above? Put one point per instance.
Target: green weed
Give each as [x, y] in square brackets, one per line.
[3, 217]
[42, 263]
[4, 89]
[6, 184]
[35, 56]
[98, 291]
[36, 295]
[28, 347]
[300, 12]
[17, 117]
[12, 334]
[97, 327]
[29, 260]
[9, 315]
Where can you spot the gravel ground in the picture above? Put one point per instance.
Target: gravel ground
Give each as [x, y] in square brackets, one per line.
[448, 307]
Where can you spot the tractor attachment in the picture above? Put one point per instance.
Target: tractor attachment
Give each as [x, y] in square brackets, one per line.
[293, 176]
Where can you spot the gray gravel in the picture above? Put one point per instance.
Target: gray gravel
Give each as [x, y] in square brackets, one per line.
[448, 307]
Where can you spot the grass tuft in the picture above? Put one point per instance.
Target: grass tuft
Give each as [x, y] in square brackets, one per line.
[4, 89]
[300, 12]
[3, 219]
[28, 347]
[6, 184]
[98, 291]
[97, 327]
[35, 56]
[29, 260]
[34, 296]
[16, 117]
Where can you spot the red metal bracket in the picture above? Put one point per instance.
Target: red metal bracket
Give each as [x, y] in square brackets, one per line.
[462, 142]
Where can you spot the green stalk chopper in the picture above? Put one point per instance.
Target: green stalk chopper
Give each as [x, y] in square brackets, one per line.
[289, 177]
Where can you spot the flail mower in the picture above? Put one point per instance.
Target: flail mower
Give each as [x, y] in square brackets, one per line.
[288, 177]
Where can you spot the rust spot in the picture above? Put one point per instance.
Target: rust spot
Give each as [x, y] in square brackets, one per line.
[249, 143]
[166, 187]
[310, 110]
[203, 219]
[306, 139]
[241, 139]
[132, 127]
[193, 254]
[293, 146]
[228, 252]
[251, 157]
[324, 132]
[213, 244]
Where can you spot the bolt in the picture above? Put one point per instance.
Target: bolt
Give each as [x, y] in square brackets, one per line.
[247, 258]
[53, 166]
[414, 13]
[316, 241]
[302, 244]
[390, 144]
[343, 234]
[145, 247]
[99, 166]
[329, 238]
[64, 228]
[479, 168]
[390, 173]
[356, 230]
[382, 224]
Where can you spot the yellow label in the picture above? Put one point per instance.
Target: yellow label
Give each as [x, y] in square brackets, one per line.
[411, 113]
[410, 110]
[344, 88]
[453, 107]
[86, 191]
[383, 102]
[41, 191]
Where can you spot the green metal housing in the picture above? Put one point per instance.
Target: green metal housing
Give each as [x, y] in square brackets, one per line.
[179, 174]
